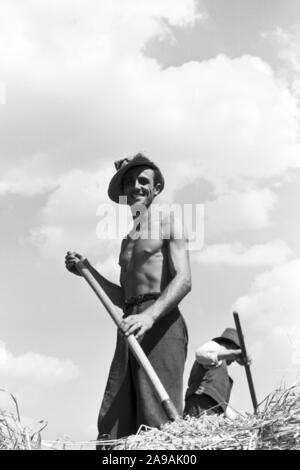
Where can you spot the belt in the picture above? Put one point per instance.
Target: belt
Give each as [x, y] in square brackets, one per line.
[139, 299]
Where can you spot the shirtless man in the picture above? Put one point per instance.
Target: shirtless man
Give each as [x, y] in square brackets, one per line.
[155, 276]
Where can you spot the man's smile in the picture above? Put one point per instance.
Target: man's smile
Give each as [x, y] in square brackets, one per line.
[136, 196]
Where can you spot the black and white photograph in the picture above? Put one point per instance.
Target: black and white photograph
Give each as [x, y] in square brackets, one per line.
[150, 227]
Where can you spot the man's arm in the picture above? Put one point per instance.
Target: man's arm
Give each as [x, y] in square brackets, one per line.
[174, 292]
[179, 265]
[113, 291]
[230, 413]
[211, 354]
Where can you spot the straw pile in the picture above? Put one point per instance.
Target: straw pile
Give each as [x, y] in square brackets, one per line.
[14, 435]
[276, 427]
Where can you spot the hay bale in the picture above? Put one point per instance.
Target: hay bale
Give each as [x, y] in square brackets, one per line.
[276, 426]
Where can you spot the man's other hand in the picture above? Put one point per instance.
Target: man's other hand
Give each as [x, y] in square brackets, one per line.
[137, 324]
[242, 361]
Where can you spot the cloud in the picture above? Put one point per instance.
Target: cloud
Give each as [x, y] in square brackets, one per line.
[28, 178]
[239, 210]
[46, 238]
[292, 334]
[235, 254]
[86, 94]
[68, 68]
[287, 45]
[81, 90]
[273, 305]
[69, 220]
[238, 123]
[37, 367]
[91, 31]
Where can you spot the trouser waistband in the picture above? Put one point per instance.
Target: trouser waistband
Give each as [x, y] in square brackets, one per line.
[139, 299]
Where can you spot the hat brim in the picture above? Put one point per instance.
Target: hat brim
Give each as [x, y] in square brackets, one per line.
[115, 188]
[226, 340]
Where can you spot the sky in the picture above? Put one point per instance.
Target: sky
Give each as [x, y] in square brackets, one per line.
[209, 90]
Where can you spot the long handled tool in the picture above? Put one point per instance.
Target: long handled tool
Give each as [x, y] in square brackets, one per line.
[134, 345]
[245, 360]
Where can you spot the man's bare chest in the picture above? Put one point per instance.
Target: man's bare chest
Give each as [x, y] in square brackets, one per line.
[137, 252]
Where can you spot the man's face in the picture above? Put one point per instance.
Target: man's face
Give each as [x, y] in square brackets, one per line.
[139, 186]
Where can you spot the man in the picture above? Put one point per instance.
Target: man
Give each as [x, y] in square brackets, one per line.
[155, 276]
[209, 385]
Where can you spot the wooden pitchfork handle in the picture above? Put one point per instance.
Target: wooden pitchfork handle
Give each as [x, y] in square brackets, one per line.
[245, 359]
[134, 345]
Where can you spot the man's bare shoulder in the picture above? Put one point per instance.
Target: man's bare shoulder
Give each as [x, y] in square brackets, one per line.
[172, 224]
[124, 245]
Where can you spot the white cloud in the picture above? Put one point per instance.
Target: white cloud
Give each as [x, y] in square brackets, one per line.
[239, 210]
[230, 120]
[93, 95]
[46, 238]
[273, 305]
[69, 218]
[97, 97]
[18, 183]
[79, 192]
[287, 46]
[235, 254]
[28, 178]
[86, 33]
[290, 333]
[37, 367]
